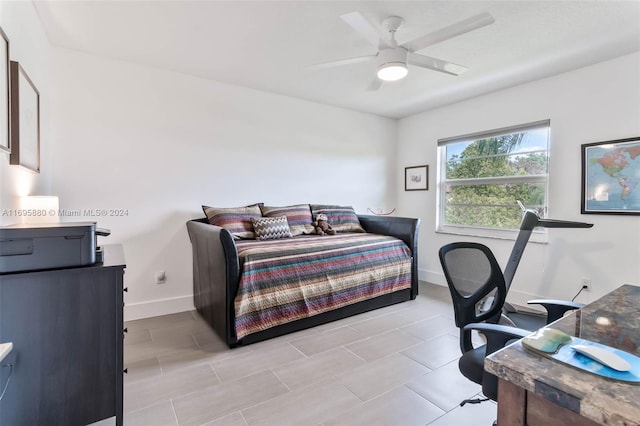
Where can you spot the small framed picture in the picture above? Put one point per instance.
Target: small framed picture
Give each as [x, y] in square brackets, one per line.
[25, 120]
[416, 178]
[611, 177]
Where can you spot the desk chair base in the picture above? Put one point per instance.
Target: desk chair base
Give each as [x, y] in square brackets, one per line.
[474, 401]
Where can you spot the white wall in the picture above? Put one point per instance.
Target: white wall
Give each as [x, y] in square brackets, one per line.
[29, 46]
[592, 104]
[160, 144]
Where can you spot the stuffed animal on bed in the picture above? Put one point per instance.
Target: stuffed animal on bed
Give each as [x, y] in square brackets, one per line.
[321, 225]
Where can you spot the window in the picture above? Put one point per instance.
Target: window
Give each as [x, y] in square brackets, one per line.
[484, 175]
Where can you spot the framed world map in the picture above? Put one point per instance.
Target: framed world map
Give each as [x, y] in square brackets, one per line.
[611, 177]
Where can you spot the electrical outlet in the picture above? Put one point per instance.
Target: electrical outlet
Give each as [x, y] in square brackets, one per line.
[586, 284]
[161, 277]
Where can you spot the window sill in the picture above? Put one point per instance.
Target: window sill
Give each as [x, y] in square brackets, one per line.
[540, 237]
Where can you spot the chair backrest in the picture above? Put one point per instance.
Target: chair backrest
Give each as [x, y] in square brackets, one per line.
[473, 276]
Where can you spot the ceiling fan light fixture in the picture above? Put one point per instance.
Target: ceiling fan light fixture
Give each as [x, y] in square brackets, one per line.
[392, 64]
[392, 71]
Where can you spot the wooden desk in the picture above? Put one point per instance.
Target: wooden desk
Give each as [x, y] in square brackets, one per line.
[534, 390]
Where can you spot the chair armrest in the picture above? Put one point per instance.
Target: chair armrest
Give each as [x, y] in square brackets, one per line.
[497, 335]
[556, 308]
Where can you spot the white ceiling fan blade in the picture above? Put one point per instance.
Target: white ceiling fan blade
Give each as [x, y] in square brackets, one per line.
[374, 85]
[342, 62]
[365, 28]
[451, 31]
[436, 64]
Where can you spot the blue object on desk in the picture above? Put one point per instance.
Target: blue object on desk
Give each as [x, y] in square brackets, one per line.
[566, 355]
[574, 359]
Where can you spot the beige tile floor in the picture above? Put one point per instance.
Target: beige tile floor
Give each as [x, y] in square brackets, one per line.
[392, 366]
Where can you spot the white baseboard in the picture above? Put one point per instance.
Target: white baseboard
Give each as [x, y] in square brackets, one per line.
[432, 277]
[520, 298]
[515, 296]
[154, 308]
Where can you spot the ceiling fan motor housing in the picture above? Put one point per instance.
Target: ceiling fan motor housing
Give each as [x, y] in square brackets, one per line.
[395, 55]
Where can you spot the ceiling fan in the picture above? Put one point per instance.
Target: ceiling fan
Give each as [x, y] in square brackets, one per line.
[393, 58]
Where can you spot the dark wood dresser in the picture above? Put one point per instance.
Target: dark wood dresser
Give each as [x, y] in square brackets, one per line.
[66, 326]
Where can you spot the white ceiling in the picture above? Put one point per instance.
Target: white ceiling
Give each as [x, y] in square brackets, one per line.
[268, 45]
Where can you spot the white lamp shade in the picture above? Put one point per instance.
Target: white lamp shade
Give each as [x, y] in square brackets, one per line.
[40, 209]
[392, 71]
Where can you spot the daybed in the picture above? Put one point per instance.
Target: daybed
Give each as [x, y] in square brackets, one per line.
[230, 273]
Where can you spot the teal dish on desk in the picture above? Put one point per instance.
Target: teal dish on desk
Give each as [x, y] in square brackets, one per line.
[547, 340]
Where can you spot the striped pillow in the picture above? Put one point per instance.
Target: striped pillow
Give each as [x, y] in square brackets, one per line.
[341, 218]
[236, 220]
[271, 228]
[298, 217]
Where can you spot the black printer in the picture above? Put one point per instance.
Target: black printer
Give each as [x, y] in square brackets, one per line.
[38, 246]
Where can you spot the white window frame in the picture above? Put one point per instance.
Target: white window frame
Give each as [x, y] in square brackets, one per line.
[539, 234]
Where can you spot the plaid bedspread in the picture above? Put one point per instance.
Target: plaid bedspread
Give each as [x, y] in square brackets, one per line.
[288, 279]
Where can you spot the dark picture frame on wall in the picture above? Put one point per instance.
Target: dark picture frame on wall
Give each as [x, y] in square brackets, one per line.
[611, 177]
[5, 105]
[416, 178]
[25, 120]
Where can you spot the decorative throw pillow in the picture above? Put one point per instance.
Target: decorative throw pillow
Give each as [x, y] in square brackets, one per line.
[341, 218]
[271, 228]
[298, 216]
[236, 220]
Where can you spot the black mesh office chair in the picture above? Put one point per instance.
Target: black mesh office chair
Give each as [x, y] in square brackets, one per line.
[474, 278]
[479, 289]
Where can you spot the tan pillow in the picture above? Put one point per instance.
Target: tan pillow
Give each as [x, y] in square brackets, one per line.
[236, 220]
[298, 217]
